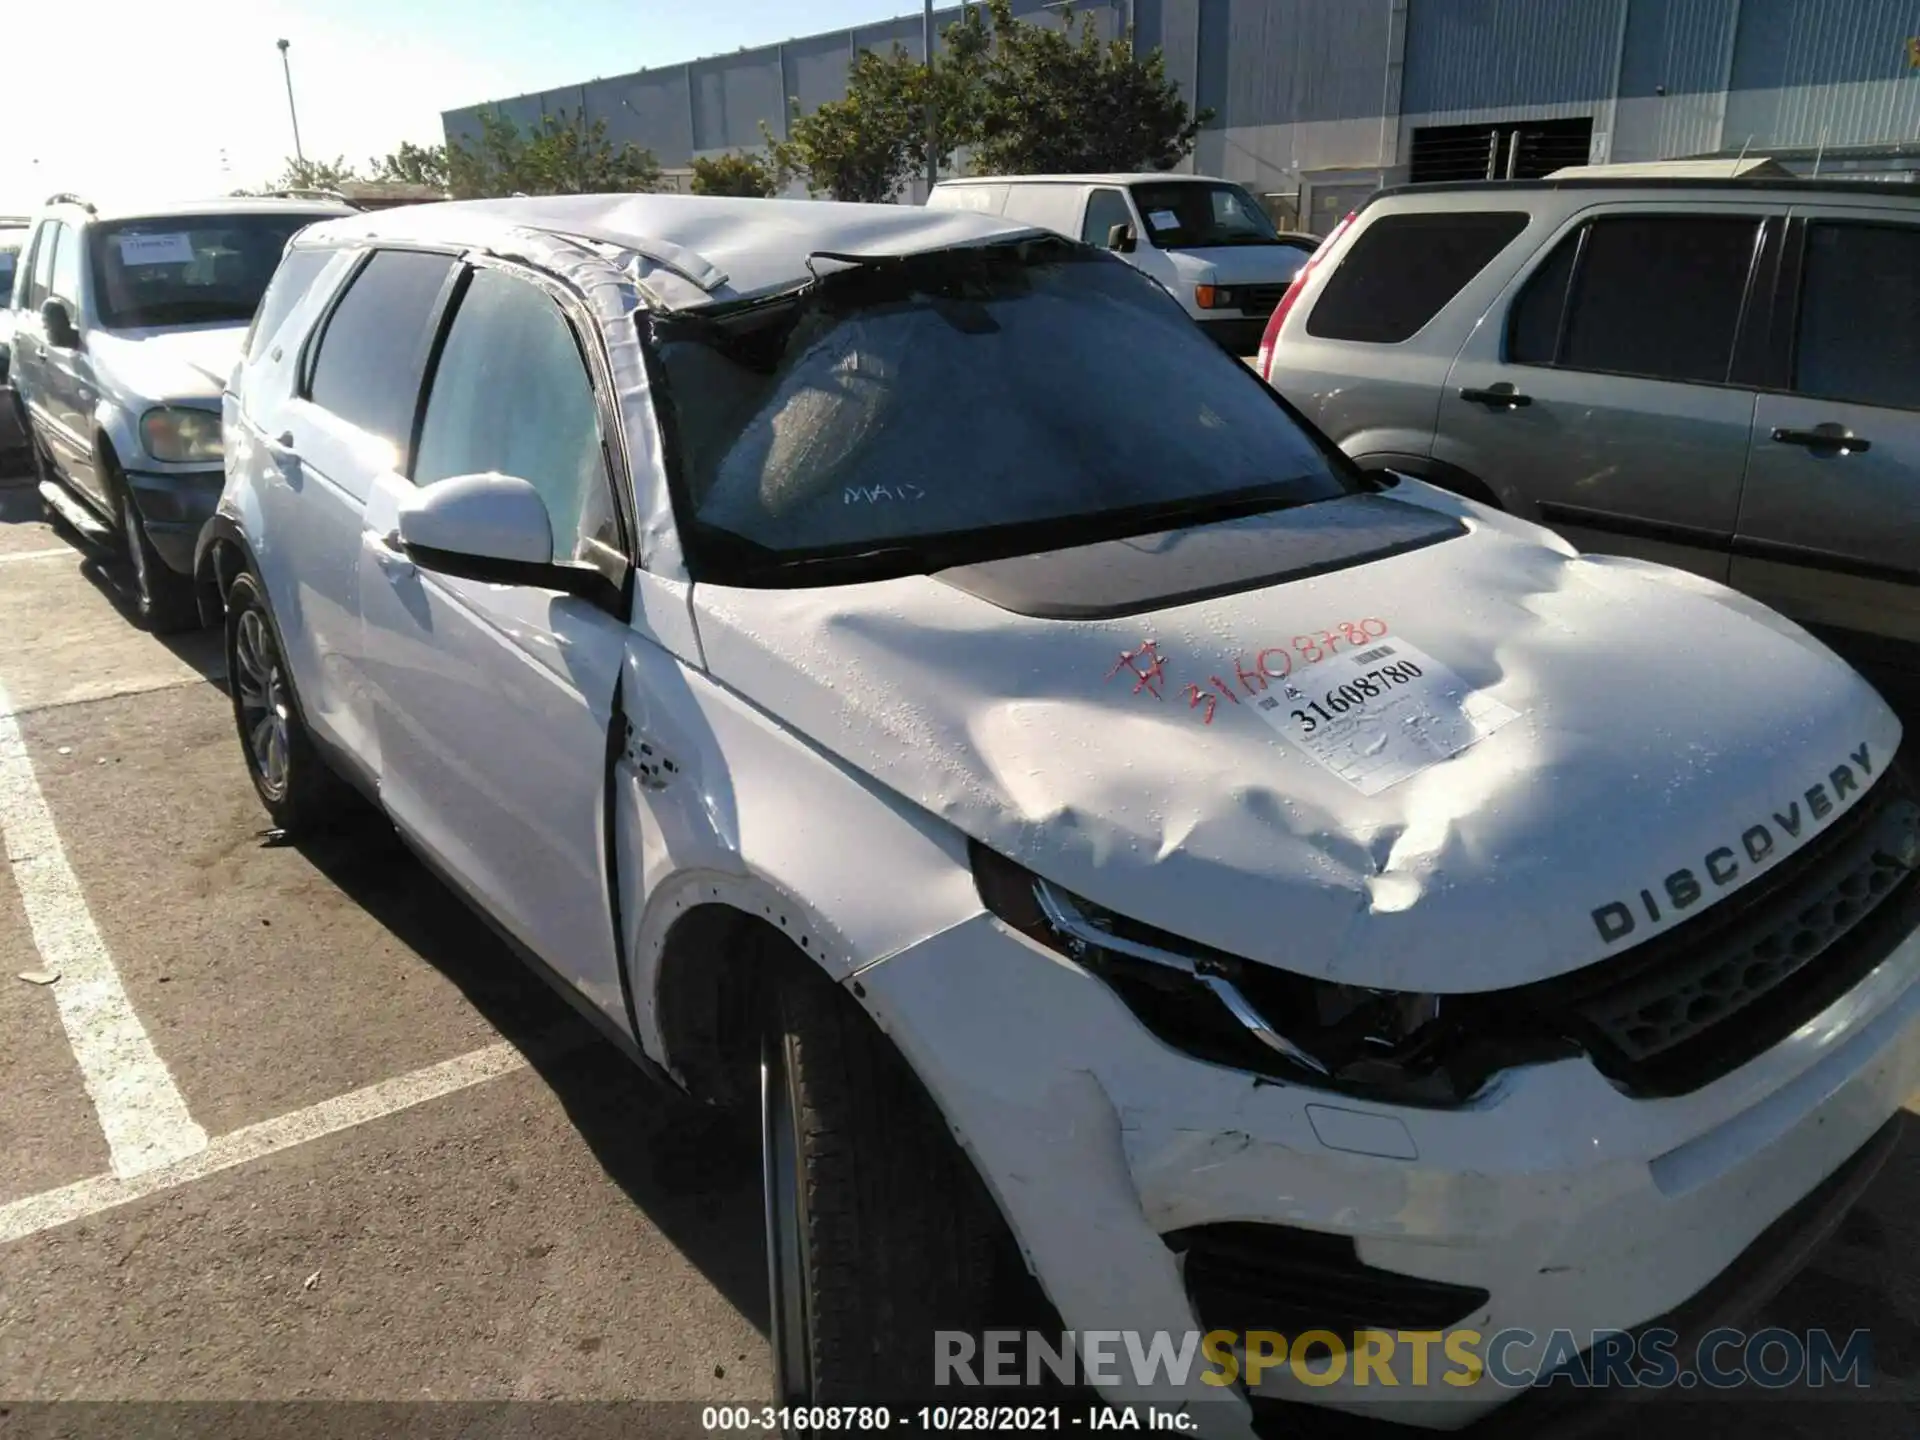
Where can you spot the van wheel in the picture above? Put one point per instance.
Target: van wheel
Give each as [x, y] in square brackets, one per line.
[293, 782]
[879, 1232]
[162, 597]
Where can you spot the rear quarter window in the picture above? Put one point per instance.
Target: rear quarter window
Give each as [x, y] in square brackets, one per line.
[291, 281]
[1404, 269]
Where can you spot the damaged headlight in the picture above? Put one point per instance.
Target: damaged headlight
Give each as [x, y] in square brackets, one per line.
[1396, 1046]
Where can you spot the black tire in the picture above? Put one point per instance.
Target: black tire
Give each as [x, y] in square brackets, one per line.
[890, 1236]
[163, 598]
[300, 792]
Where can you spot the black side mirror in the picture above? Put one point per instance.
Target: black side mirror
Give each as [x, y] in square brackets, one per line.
[57, 322]
[1120, 237]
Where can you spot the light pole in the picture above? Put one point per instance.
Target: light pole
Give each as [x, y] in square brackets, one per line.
[286, 67]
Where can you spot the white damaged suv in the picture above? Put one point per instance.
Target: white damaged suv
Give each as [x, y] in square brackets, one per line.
[1095, 824]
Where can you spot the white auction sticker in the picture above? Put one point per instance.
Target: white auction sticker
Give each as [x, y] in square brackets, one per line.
[172, 248]
[1376, 715]
[1164, 220]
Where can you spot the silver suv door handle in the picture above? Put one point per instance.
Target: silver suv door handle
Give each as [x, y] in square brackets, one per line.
[1500, 397]
[1825, 437]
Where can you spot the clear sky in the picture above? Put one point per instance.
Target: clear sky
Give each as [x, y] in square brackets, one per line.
[187, 99]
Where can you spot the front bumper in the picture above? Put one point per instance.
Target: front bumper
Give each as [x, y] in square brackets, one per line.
[1236, 335]
[1572, 1206]
[174, 506]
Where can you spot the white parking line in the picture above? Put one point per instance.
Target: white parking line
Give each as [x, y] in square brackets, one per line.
[140, 1108]
[357, 1107]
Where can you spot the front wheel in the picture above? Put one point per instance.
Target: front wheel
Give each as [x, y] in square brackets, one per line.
[289, 775]
[879, 1233]
[162, 597]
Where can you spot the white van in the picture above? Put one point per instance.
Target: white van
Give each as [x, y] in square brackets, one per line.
[1208, 240]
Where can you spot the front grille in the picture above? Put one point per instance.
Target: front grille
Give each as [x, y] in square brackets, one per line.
[1242, 1276]
[1263, 298]
[1681, 1010]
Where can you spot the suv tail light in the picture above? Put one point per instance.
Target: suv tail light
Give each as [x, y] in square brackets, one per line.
[1264, 361]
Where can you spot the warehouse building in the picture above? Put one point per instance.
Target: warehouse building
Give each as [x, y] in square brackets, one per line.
[1318, 102]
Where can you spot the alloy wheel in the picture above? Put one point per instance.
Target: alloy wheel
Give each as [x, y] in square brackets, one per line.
[265, 706]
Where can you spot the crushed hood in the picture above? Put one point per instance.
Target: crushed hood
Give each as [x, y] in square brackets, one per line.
[156, 366]
[1653, 719]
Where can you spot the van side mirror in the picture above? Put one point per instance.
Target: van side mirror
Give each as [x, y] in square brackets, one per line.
[1120, 237]
[57, 323]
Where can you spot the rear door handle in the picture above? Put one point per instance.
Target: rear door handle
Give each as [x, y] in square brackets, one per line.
[1825, 437]
[1502, 397]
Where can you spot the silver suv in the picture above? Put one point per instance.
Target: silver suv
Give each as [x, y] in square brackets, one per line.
[1723, 376]
[125, 327]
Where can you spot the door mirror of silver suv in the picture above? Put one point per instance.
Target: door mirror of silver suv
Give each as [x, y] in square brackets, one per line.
[57, 323]
[1120, 237]
[492, 528]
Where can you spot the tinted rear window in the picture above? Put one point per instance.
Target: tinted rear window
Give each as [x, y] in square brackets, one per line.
[1860, 315]
[1659, 296]
[374, 349]
[1404, 269]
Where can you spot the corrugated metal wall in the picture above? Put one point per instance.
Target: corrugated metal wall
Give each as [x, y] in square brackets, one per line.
[1305, 86]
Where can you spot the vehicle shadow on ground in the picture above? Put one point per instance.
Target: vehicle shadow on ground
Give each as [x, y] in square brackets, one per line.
[108, 572]
[694, 1172]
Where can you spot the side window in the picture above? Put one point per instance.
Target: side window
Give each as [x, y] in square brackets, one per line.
[511, 393]
[298, 270]
[1105, 209]
[1859, 333]
[65, 281]
[374, 348]
[1660, 296]
[1403, 269]
[43, 248]
[1533, 326]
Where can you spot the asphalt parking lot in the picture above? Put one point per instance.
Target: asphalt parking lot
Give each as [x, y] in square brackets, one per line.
[289, 1125]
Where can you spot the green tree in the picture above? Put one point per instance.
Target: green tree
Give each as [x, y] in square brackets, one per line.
[412, 164]
[1050, 101]
[867, 145]
[313, 175]
[733, 175]
[1022, 98]
[561, 154]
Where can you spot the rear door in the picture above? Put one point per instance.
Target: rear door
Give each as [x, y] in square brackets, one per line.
[1829, 529]
[495, 702]
[349, 421]
[1601, 395]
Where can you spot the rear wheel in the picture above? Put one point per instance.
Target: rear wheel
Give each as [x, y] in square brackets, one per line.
[879, 1233]
[293, 782]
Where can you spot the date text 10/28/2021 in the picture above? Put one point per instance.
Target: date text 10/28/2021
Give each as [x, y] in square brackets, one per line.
[963, 1418]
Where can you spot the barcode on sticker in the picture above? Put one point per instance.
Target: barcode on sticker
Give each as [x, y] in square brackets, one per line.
[1379, 652]
[1269, 703]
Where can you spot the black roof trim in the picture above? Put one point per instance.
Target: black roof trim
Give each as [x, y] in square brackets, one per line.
[1902, 189]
